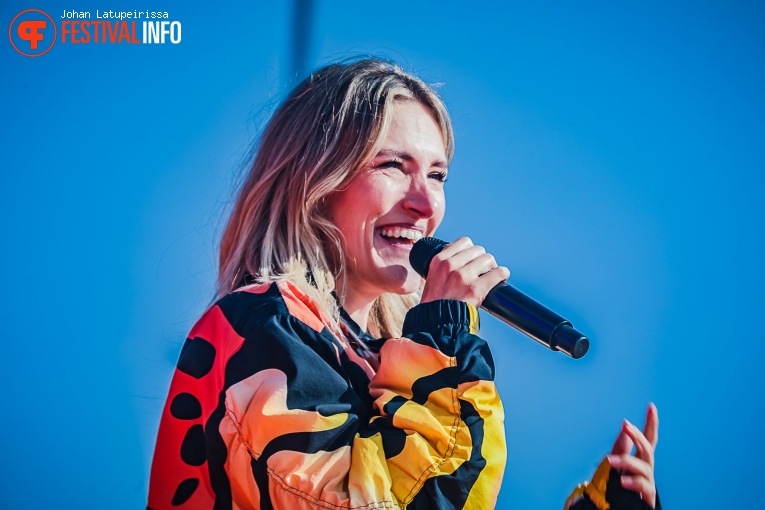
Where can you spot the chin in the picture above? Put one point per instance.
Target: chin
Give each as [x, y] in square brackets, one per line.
[412, 283]
[403, 280]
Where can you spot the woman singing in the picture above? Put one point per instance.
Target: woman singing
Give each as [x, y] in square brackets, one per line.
[326, 375]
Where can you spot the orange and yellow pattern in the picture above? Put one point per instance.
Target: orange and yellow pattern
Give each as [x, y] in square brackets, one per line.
[269, 409]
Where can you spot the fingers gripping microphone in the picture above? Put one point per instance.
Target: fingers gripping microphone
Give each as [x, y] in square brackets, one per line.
[513, 307]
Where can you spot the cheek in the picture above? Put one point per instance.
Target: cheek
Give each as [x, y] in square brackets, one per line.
[439, 213]
[348, 212]
[355, 209]
[339, 212]
[372, 199]
[348, 224]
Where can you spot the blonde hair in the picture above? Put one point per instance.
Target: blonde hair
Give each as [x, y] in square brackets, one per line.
[330, 126]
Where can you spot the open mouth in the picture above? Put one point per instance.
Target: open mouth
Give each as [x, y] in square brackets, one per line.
[399, 235]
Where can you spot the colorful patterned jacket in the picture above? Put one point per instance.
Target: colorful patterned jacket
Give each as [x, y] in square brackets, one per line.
[268, 409]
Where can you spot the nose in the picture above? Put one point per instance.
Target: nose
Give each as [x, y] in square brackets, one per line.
[422, 198]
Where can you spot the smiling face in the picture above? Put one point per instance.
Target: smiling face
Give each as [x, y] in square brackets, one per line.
[397, 198]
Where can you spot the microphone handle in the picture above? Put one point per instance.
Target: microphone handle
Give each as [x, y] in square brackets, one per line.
[515, 308]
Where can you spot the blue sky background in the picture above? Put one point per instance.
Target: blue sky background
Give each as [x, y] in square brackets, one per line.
[610, 153]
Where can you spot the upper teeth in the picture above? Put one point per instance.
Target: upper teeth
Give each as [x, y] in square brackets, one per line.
[406, 233]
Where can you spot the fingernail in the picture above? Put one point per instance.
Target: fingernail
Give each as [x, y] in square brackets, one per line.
[613, 460]
[626, 479]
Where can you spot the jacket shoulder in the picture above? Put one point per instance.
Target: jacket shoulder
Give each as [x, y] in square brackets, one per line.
[245, 308]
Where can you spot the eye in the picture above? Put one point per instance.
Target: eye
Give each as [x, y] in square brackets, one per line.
[392, 163]
[439, 176]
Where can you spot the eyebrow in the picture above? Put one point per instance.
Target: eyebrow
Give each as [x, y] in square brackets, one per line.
[439, 163]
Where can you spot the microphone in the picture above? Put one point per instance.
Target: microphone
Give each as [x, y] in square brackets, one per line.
[513, 307]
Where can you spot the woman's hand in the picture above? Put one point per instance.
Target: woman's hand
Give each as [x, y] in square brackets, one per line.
[638, 469]
[463, 272]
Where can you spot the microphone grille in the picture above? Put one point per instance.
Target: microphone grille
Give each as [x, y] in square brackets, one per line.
[423, 252]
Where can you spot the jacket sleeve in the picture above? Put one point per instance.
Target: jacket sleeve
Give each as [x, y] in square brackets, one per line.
[432, 435]
[605, 492]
